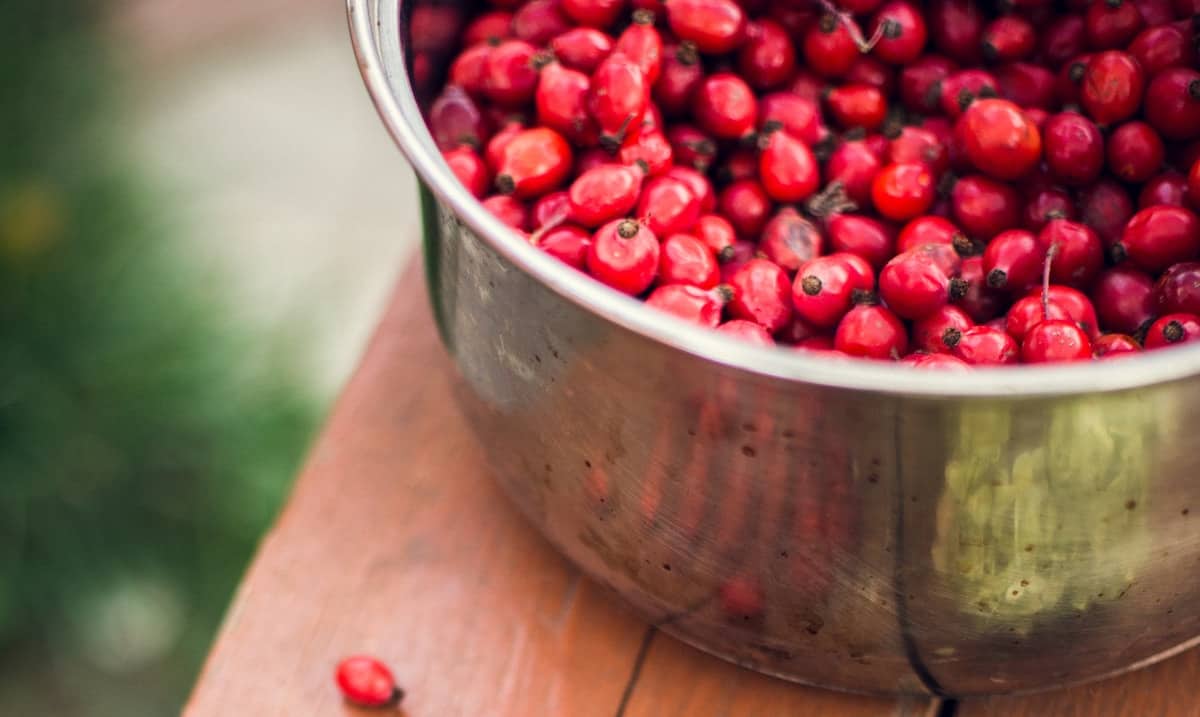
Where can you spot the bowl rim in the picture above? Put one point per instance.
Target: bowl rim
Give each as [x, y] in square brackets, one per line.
[396, 104]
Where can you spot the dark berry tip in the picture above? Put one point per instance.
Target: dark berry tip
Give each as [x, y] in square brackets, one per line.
[628, 229]
[951, 337]
[959, 288]
[505, 184]
[1173, 332]
[642, 16]
[997, 278]
[726, 254]
[1194, 89]
[811, 285]
[724, 292]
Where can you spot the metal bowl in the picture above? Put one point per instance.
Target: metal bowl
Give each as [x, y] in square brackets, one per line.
[849, 524]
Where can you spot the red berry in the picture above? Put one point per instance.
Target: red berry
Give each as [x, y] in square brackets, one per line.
[1008, 38]
[916, 144]
[561, 101]
[581, 48]
[684, 259]
[789, 239]
[984, 207]
[1135, 152]
[454, 120]
[1074, 148]
[1069, 82]
[680, 75]
[619, 95]
[1160, 236]
[944, 362]
[1166, 188]
[1125, 299]
[999, 139]
[903, 191]
[857, 106]
[624, 255]
[768, 58]
[826, 288]
[940, 331]
[1115, 346]
[1155, 12]
[642, 43]
[964, 87]
[980, 302]
[691, 147]
[762, 293]
[738, 254]
[508, 210]
[490, 27]
[1106, 207]
[713, 26]
[807, 84]
[1013, 260]
[551, 210]
[867, 238]
[469, 69]
[717, 234]
[869, 71]
[914, 286]
[510, 73]
[567, 243]
[1079, 254]
[724, 105]
[932, 230]
[698, 183]
[367, 682]
[902, 34]
[1031, 86]
[1157, 48]
[1173, 103]
[746, 205]
[689, 303]
[956, 28]
[1172, 330]
[593, 13]
[667, 206]
[533, 162]
[539, 21]
[920, 82]
[1178, 289]
[470, 170]
[799, 117]
[1027, 312]
[1077, 305]
[1112, 87]
[984, 346]
[1046, 204]
[854, 166]
[829, 49]
[747, 331]
[871, 332]
[1062, 39]
[786, 167]
[818, 345]
[1054, 341]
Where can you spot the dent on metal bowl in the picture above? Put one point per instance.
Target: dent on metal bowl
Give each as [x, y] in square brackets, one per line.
[846, 524]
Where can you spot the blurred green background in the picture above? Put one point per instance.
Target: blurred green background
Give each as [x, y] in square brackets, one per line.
[152, 411]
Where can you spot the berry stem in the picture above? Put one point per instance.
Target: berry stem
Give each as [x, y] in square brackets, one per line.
[864, 45]
[1046, 280]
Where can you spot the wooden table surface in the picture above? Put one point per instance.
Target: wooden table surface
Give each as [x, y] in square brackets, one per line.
[397, 543]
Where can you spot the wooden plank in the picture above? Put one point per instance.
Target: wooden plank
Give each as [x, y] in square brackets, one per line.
[675, 679]
[1167, 689]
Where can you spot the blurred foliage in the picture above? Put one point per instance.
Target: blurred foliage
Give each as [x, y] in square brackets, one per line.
[141, 456]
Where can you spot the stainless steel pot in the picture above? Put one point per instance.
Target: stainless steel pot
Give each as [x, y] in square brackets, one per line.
[847, 524]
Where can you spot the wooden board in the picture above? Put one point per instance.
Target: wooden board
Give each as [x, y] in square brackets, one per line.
[396, 542]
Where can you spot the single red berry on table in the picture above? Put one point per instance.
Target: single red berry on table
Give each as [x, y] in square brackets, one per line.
[903, 191]
[713, 26]
[1125, 299]
[1173, 103]
[690, 303]
[1135, 152]
[747, 331]
[1055, 341]
[762, 293]
[1160, 236]
[873, 332]
[1115, 346]
[828, 286]
[624, 255]
[984, 346]
[1112, 87]
[1172, 330]
[367, 682]
[1000, 139]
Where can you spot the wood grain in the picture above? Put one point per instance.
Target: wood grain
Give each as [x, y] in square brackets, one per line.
[1167, 689]
[396, 542]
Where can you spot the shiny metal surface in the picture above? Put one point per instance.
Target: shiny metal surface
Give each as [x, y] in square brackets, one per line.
[846, 524]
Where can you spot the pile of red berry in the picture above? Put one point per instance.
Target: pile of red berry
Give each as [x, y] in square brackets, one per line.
[949, 183]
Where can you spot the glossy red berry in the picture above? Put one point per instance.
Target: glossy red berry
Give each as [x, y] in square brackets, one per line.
[789, 239]
[1157, 48]
[932, 230]
[1173, 330]
[746, 205]
[1112, 87]
[939, 362]
[561, 101]
[618, 98]
[1160, 236]
[903, 191]
[1077, 305]
[872, 332]
[1079, 254]
[902, 33]
[762, 293]
[491, 27]
[914, 286]
[962, 88]
[1124, 299]
[690, 303]
[1013, 260]
[469, 69]
[510, 73]
[1166, 188]
[854, 167]
[684, 259]
[1046, 204]
[1061, 39]
[827, 286]
[667, 206]
[747, 331]
[981, 302]
[828, 47]
[539, 21]
[533, 162]
[999, 139]
[713, 26]
[916, 144]
[1106, 207]
[455, 120]
[986, 346]
[1008, 38]
[921, 82]
[551, 209]
[1074, 148]
[1055, 341]
[581, 48]
[643, 44]
[681, 74]
[567, 243]
[1173, 103]
[1115, 346]
[1178, 289]
[725, 106]
[508, 210]
[624, 255]
[717, 234]
[1027, 312]
[367, 682]
[956, 28]
[867, 70]
[940, 331]
[593, 13]
[768, 58]
[1109, 24]
[1135, 152]
[799, 117]
[470, 170]
[865, 237]
[853, 106]
[984, 207]
[786, 167]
